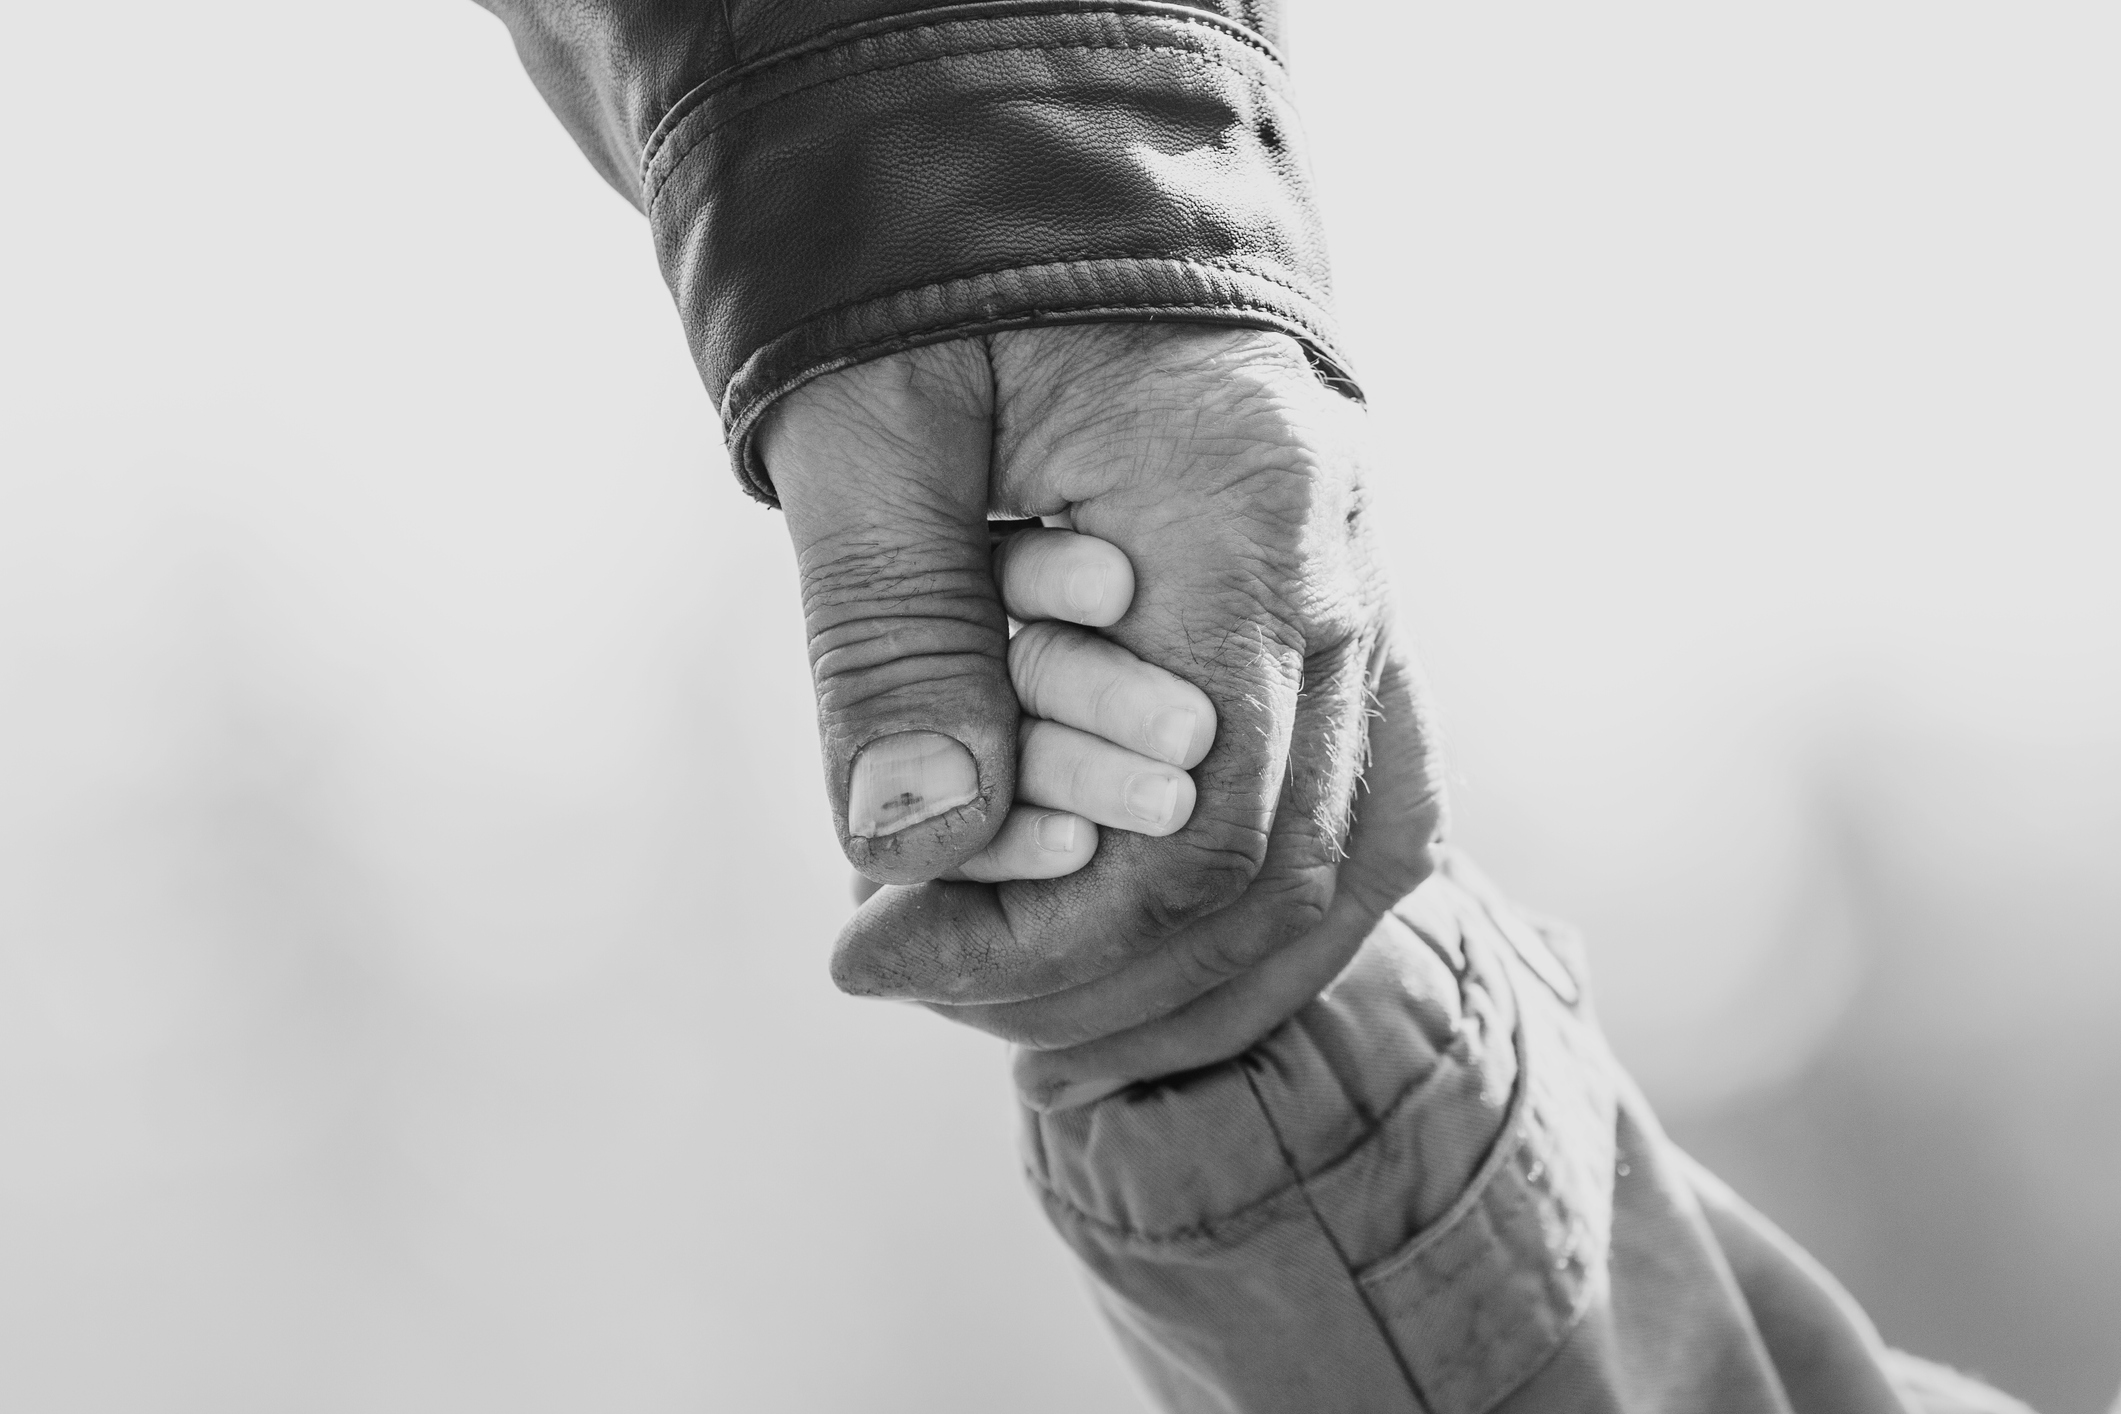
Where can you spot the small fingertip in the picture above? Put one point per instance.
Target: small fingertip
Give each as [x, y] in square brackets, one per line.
[1065, 575]
[1188, 795]
[1060, 832]
[1160, 802]
[1032, 845]
[1107, 566]
[1085, 590]
[1151, 797]
[1171, 731]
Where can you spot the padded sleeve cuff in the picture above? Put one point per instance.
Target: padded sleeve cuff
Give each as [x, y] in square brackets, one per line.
[987, 167]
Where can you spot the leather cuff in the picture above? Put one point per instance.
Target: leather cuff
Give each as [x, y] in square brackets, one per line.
[986, 167]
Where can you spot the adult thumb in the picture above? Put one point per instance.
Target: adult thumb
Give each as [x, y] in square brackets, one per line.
[882, 470]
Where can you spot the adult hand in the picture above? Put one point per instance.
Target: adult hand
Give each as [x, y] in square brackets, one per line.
[1230, 478]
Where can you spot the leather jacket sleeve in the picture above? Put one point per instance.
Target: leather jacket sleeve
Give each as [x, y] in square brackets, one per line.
[833, 180]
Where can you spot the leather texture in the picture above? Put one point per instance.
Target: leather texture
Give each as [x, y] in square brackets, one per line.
[832, 182]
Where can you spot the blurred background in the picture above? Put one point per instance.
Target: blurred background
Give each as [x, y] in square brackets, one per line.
[415, 882]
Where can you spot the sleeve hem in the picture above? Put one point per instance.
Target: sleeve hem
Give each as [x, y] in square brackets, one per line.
[1467, 1293]
[981, 168]
[1100, 290]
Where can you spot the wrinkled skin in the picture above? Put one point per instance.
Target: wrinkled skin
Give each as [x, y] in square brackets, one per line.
[1232, 479]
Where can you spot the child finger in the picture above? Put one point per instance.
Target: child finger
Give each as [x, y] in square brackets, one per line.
[1058, 574]
[1032, 844]
[1065, 769]
[1086, 681]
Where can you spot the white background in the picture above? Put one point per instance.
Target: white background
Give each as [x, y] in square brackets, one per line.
[414, 874]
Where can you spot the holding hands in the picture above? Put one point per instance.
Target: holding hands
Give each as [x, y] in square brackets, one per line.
[1223, 550]
[1105, 739]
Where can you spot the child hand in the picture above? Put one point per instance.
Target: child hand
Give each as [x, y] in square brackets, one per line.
[1106, 739]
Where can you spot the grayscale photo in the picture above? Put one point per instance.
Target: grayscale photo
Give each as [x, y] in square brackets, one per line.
[1060, 707]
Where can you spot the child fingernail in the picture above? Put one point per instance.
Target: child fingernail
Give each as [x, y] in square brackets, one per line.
[1056, 832]
[1085, 588]
[1151, 799]
[899, 781]
[1171, 733]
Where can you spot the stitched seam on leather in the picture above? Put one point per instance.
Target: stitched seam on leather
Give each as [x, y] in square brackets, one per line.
[1142, 306]
[736, 61]
[850, 35]
[1084, 260]
[707, 130]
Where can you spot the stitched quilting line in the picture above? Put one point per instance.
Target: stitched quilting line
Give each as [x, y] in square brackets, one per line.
[1453, 1360]
[1489, 1185]
[1511, 1131]
[1346, 1155]
[1340, 1255]
[913, 25]
[1450, 1071]
[1239, 1223]
[655, 184]
[1536, 1135]
[1463, 1362]
[1501, 1201]
[1561, 1300]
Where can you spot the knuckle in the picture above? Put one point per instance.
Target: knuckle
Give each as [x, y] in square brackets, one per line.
[855, 683]
[1278, 911]
[852, 577]
[1388, 875]
[1102, 708]
[1082, 770]
[1030, 663]
[1215, 955]
[860, 569]
[1207, 880]
[1040, 1082]
[876, 627]
[1296, 906]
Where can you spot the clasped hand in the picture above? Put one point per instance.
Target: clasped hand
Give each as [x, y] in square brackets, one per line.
[1245, 633]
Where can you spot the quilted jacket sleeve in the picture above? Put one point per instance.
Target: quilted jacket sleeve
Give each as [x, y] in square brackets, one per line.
[831, 180]
[1433, 1190]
